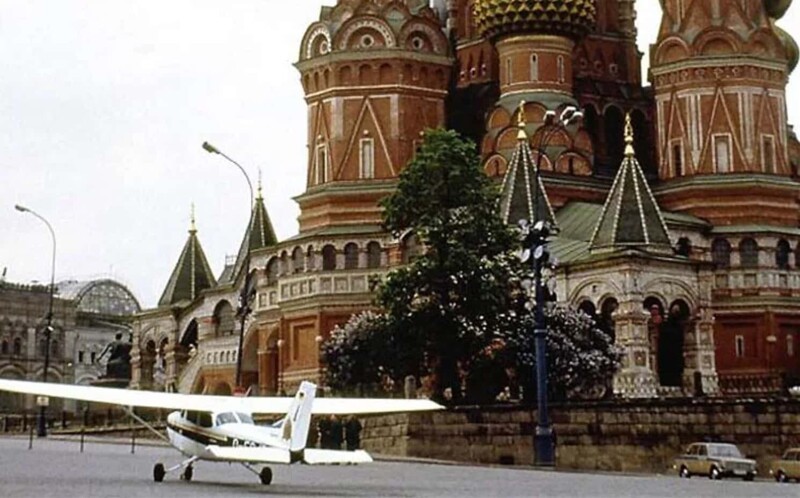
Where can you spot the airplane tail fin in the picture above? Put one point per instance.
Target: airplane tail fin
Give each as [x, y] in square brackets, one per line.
[297, 421]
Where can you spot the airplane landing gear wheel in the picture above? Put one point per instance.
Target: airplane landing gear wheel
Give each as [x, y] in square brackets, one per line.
[159, 472]
[188, 473]
[266, 475]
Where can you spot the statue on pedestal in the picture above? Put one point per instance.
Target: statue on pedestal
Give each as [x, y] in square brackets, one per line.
[119, 359]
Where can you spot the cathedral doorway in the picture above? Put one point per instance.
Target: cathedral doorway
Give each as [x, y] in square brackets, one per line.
[670, 344]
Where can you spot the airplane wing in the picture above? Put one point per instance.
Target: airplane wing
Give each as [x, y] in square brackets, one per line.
[200, 402]
[250, 455]
[314, 456]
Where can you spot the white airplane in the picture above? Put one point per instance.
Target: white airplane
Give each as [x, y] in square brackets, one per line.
[221, 428]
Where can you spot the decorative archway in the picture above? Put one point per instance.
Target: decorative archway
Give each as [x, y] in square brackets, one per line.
[671, 334]
[606, 319]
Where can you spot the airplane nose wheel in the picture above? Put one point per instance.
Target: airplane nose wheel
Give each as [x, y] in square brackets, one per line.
[266, 475]
[188, 473]
[159, 472]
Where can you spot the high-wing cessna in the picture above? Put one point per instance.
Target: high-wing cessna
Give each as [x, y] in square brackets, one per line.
[221, 428]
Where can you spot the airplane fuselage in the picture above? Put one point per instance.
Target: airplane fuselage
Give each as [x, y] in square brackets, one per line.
[193, 432]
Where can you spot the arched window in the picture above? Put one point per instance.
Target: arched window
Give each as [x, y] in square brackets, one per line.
[272, 271]
[797, 256]
[224, 319]
[54, 351]
[748, 253]
[410, 248]
[4, 347]
[721, 253]
[17, 347]
[588, 309]
[298, 264]
[534, 67]
[310, 263]
[606, 320]
[684, 247]
[285, 263]
[782, 255]
[561, 72]
[373, 255]
[614, 128]
[328, 258]
[351, 256]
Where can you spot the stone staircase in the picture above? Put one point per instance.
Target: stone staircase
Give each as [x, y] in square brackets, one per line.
[189, 374]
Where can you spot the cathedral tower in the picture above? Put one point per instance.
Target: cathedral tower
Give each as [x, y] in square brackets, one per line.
[375, 75]
[719, 69]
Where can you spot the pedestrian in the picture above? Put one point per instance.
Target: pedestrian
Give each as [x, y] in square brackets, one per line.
[324, 428]
[352, 433]
[337, 433]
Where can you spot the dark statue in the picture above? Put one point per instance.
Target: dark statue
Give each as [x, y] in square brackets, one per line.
[119, 359]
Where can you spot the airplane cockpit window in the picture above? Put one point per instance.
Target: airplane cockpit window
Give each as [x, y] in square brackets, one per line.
[226, 418]
[203, 419]
[244, 418]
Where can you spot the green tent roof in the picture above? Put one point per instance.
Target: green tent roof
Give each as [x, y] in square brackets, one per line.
[192, 273]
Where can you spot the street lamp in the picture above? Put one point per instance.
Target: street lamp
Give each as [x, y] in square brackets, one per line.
[244, 296]
[536, 240]
[48, 330]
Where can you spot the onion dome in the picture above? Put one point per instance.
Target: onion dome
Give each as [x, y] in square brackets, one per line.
[792, 51]
[776, 8]
[572, 18]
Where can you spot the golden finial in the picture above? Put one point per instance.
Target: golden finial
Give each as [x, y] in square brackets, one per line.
[192, 226]
[629, 136]
[258, 196]
[521, 135]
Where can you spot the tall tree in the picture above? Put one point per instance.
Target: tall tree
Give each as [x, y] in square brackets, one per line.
[462, 277]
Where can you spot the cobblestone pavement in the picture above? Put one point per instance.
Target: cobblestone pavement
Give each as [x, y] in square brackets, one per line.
[57, 469]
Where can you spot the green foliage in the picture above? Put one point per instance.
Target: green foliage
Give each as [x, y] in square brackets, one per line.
[453, 314]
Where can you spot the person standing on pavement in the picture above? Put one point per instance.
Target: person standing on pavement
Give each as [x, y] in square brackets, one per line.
[352, 433]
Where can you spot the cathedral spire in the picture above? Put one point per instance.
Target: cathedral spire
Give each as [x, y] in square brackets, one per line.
[259, 235]
[191, 275]
[631, 217]
[192, 226]
[521, 123]
[523, 195]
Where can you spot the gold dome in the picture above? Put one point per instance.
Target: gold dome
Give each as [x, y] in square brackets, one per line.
[573, 18]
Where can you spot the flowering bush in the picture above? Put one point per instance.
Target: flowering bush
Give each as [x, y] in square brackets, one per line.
[581, 358]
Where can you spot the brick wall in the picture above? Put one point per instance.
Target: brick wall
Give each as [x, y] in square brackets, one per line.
[635, 435]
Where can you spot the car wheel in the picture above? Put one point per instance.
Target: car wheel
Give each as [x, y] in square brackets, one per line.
[749, 476]
[781, 477]
[714, 474]
[684, 473]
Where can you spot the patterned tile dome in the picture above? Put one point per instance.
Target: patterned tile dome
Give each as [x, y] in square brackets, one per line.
[572, 18]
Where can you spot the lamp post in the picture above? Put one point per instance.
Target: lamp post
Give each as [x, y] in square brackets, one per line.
[543, 441]
[244, 296]
[48, 330]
